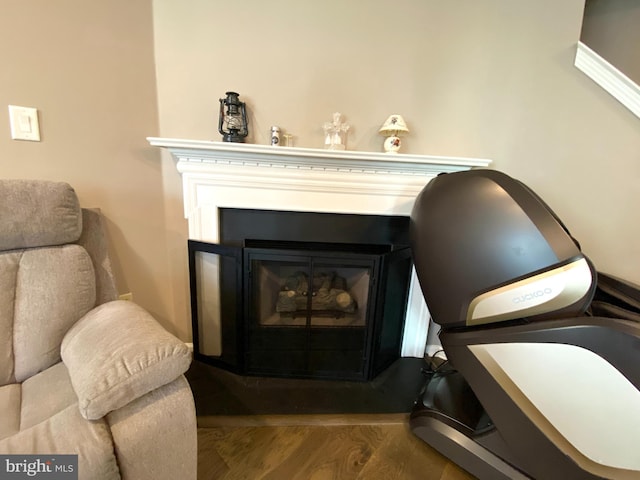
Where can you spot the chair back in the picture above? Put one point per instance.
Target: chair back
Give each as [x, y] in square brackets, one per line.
[487, 249]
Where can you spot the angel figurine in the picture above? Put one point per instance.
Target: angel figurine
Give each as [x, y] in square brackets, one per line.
[335, 133]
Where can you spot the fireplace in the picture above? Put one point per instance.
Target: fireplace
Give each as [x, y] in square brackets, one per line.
[217, 175]
[302, 294]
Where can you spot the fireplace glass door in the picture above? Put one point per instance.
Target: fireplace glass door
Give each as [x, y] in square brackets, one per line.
[309, 312]
[216, 303]
[298, 310]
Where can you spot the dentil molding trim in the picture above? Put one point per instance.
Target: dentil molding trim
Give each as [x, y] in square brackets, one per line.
[244, 154]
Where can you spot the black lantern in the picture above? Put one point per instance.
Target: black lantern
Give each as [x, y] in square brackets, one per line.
[233, 119]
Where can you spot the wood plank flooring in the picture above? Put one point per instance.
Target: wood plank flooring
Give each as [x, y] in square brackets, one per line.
[307, 447]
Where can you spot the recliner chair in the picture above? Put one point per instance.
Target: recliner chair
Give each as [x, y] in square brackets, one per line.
[541, 380]
[80, 371]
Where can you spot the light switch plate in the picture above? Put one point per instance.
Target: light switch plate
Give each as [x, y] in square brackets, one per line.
[24, 123]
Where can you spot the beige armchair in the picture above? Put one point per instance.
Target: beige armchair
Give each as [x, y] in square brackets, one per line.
[81, 372]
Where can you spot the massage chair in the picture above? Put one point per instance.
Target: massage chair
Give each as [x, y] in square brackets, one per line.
[540, 375]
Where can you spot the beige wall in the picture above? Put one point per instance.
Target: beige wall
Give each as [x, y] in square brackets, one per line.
[88, 67]
[490, 78]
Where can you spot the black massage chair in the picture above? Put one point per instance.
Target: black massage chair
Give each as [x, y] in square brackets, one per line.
[542, 372]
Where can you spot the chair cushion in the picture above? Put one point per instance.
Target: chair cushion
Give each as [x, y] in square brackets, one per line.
[9, 264]
[23, 405]
[35, 213]
[45, 395]
[117, 353]
[9, 410]
[67, 432]
[54, 288]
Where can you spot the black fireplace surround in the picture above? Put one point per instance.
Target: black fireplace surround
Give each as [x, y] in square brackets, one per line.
[301, 294]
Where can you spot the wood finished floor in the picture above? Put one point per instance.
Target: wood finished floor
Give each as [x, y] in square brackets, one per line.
[315, 450]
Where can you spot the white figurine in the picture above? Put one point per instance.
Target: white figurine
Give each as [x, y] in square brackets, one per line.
[335, 133]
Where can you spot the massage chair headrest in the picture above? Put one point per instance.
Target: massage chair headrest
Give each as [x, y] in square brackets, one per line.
[487, 249]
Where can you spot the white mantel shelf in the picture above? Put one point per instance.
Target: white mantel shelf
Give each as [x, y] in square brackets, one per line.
[218, 175]
[313, 159]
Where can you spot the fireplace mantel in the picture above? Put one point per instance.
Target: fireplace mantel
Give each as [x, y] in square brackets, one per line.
[311, 158]
[235, 175]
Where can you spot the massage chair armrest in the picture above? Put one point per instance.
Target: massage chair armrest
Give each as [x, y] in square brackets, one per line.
[118, 352]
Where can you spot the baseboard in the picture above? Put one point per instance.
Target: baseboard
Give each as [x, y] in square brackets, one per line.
[214, 421]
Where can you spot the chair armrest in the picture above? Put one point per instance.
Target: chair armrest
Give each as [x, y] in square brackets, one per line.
[118, 352]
